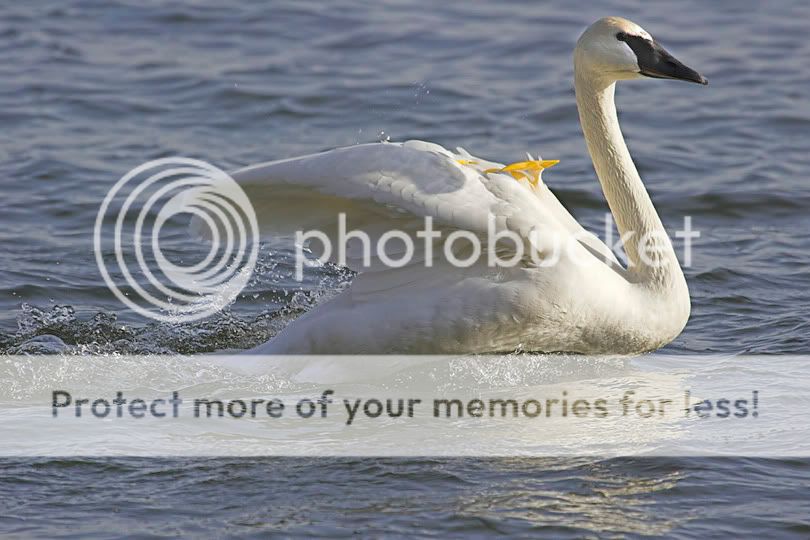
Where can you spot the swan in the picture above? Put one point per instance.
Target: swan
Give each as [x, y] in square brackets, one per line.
[586, 302]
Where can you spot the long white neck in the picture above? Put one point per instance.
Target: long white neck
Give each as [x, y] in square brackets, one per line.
[651, 257]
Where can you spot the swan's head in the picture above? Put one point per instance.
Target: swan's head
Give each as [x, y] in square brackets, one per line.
[614, 49]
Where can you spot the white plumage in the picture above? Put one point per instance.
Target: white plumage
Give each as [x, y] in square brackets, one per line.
[586, 302]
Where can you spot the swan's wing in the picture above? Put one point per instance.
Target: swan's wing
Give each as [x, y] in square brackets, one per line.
[412, 179]
[385, 186]
[394, 186]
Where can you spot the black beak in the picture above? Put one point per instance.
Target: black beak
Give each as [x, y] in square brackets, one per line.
[654, 61]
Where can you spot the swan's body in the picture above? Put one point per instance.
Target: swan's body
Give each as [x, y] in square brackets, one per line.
[586, 302]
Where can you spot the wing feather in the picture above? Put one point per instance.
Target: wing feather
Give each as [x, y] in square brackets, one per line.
[385, 186]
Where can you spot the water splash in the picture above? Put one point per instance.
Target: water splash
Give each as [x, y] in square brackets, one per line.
[58, 330]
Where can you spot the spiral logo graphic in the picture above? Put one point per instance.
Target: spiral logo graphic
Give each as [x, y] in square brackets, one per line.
[130, 221]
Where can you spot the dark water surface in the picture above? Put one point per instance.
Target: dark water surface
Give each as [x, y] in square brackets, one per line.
[554, 498]
[91, 89]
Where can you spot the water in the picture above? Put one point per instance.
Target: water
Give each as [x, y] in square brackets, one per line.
[91, 89]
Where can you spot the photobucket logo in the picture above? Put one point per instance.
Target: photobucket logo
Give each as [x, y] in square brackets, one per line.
[132, 215]
[496, 247]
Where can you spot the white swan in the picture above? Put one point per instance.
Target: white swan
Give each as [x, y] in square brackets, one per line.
[585, 303]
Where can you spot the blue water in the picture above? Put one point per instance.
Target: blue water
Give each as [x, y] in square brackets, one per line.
[92, 89]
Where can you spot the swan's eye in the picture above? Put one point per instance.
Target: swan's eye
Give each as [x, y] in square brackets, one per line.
[632, 38]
